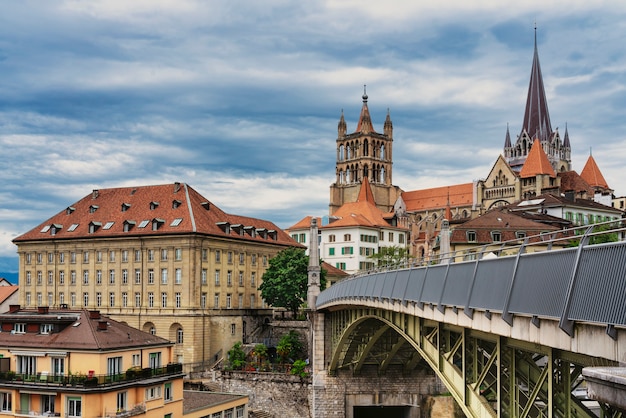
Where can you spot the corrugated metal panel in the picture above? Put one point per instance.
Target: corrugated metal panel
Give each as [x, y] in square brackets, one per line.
[599, 294]
[434, 284]
[414, 287]
[401, 284]
[379, 283]
[457, 284]
[491, 285]
[390, 281]
[541, 283]
[371, 281]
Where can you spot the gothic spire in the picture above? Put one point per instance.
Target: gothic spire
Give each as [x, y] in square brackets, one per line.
[536, 117]
[365, 121]
[388, 127]
[507, 139]
[566, 138]
[341, 126]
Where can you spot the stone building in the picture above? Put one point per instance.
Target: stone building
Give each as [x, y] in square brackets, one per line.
[163, 259]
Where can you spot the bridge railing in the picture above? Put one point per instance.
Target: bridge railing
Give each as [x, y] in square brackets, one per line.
[571, 281]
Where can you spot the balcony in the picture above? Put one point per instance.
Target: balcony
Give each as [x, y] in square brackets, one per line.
[89, 381]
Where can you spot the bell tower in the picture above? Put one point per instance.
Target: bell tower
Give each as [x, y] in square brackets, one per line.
[364, 153]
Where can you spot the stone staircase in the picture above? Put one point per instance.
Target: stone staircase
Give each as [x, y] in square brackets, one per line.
[257, 413]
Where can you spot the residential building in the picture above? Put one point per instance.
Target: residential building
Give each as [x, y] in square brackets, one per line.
[162, 258]
[77, 363]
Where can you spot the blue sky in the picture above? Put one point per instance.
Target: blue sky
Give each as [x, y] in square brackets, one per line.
[241, 99]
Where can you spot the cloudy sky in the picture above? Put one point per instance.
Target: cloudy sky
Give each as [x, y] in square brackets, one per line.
[241, 98]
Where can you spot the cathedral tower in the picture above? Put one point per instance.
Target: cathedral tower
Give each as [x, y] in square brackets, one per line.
[364, 153]
[537, 126]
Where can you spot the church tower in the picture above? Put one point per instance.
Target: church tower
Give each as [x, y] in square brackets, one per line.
[537, 127]
[364, 153]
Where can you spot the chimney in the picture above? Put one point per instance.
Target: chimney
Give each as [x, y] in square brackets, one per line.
[95, 193]
[102, 325]
[42, 309]
[14, 308]
[94, 314]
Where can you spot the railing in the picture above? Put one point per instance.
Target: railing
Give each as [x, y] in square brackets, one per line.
[123, 413]
[91, 381]
[580, 282]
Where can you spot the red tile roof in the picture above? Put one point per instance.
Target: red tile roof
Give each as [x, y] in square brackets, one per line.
[592, 174]
[438, 197]
[7, 291]
[304, 223]
[78, 331]
[174, 208]
[572, 181]
[537, 162]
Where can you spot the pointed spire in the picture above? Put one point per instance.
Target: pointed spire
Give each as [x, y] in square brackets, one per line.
[388, 127]
[537, 162]
[365, 194]
[536, 117]
[591, 174]
[566, 138]
[341, 126]
[507, 138]
[365, 121]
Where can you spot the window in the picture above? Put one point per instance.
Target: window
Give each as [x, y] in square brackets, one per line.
[137, 299]
[125, 299]
[164, 255]
[229, 278]
[218, 255]
[45, 328]
[242, 258]
[217, 277]
[125, 256]
[520, 234]
[74, 408]
[203, 276]
[496, 236]
[73, 277]
[73, 299]
[39, 278]
[28, 277]
[233, 329]
[391, 237]
[150, 255]
[341, 266]
[253, 259]
[61, 277]
[163, 276]
[178, 300]
[203, 300]
[205, 254]
[153, 392]
[331, 238]
[230, 257]
[61, 258]
[58, 366]
[216, 301]
[112, 256]
[111, 276]
[121, 401]
[347, 237]
[85, 299]
[240, 278]
[179, 276]
[136, 359]
[155, 360]
[137, 255]
[471, 236]
[151, 299]
[114, 366]
[228, 301]
[19, 328]
[98, 277]
[61, 298]
[28, 258]
[72, 256]
[240, 301]
[347, 250]
[331, 251]
[239, 412]
[50, 278]
[86, 257]
[39, 299]
[98, 299]
[253, 279]
[179, 336]
[85, 277]
[111, 299]
[150, 276]
[39, 258]
[178, 254]
[252, 301]
[167, 392]
[50, 257]
[137, 276]
[401, 238]
[26, 364]
[163, 300]
[124, 276]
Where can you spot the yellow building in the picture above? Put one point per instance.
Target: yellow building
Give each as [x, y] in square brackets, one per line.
[161, 258]
[77, 363]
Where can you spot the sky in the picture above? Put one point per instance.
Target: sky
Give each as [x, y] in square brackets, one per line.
[241, 98]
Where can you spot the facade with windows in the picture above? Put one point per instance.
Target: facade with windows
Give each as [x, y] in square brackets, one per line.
[144, 255]
[78, 363]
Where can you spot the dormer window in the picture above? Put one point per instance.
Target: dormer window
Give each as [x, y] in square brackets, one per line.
[176, 204]
[93, 226]
[128, 225]
[224, 226]
[262, 232]
[471, 236]
[69, 210]
[496, 236]
[156, 223]
[250, 230]
[54, 228]
[206, 205]
[520, 234]
[238, 228]
[272, 234]
[19, 328]
[93, 208]
[45, 328]
[125, 207]
[154, 205]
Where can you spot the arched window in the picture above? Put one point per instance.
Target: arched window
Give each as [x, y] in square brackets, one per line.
[365, 148]
[179, 336]
[382, 152]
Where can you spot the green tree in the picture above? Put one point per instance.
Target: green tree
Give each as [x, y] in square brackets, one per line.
[236, 356]
[391, 256]
[285, 280]
[289, 346]
[260, 352]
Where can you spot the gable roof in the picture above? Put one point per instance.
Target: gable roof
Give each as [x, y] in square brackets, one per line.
[537, 162]
[7, 291]
[438, 197]
[571, 181]
[591, 174]
[175, 209]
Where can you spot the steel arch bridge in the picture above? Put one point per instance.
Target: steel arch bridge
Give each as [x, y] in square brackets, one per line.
[509, 337]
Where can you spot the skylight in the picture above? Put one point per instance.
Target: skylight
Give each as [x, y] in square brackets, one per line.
[108, 225]
[176, 222]
[72, 227]
[144, 223]
[45, 228]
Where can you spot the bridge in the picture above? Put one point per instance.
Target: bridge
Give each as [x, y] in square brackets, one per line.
[509, 336]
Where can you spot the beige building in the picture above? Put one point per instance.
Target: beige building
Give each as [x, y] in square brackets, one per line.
[161, 258]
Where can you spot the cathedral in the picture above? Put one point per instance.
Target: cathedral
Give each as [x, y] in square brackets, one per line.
[536, 164]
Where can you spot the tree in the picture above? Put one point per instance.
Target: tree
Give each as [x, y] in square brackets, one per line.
[391, 256]
[289, 346]
[285, 280]
[236, 356]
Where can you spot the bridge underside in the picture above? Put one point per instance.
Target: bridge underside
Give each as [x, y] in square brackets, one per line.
[488, 375]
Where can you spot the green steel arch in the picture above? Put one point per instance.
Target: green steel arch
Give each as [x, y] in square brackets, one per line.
[488, 375]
